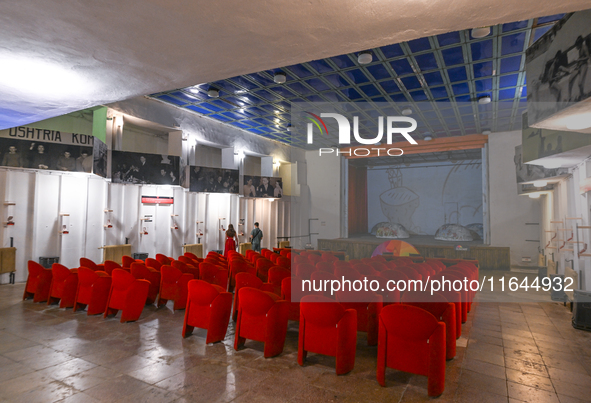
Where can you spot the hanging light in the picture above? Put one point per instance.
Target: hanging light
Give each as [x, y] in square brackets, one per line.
[365, 57]
[279, 77]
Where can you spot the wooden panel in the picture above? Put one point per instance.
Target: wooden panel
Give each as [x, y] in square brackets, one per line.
[283, 244]
[469, 142]
[489, 257]
[7, 260]
[195, 248]
[243, 247]
[116, 252]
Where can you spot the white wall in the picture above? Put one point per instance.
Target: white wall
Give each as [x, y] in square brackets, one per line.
[41, 196]
[444, 193]
[509, 212]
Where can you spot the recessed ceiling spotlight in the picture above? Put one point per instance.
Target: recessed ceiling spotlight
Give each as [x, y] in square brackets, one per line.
[365, 57]
[486, 132]
[407, 111]
[427, 136]
[485, 99]
[288, 128]
[279, 77]
[194, 90]
[213, 92]
[480, 32]
[534, 195]
[540, 184]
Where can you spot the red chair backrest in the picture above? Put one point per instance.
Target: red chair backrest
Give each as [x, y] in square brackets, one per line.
[190, 255]
[313, 258]
[348, 272]
[170, 275]
[283, 262]
[255, 302]
[202, 293]
[321, 312]
[84, 262]
[163, 259]
[110, 266]
[153, 263]
[325, 266]
[277, 274]
[304, 270]
[127, 261]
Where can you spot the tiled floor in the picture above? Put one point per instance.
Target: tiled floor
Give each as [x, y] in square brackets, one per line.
[509, 352]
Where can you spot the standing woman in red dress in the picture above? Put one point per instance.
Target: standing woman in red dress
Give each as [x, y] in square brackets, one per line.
[231, 240]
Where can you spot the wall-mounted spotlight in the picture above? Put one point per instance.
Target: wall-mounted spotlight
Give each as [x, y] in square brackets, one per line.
[279, 77]
[213, 92]
[365, 57]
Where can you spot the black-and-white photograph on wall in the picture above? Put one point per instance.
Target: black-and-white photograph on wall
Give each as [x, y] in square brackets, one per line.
[213, 180]
[556, 67]
[99, 153]
[142, 168]
[58, 156]
[262, 186]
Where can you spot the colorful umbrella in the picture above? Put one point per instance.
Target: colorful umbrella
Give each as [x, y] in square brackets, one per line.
[396, 248]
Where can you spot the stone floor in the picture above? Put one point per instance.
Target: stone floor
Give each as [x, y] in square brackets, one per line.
[509, 352]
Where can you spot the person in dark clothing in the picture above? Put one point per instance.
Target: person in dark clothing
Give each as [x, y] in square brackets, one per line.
[256, 235]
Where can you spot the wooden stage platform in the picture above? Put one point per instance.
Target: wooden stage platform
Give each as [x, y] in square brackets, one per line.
[489, 257]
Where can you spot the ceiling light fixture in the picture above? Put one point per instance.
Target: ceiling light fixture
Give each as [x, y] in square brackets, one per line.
[365, 57]
[486, 132]
[288, 128]
[580, 121]
[279, 77]
[427, 136]
[407, 111]
[213, 92]
[534, 195]
[540, 184]
[485, 99]
[480, 32]
[194, 90]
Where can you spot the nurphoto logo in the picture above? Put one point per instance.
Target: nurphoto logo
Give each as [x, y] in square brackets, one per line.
[344, 126]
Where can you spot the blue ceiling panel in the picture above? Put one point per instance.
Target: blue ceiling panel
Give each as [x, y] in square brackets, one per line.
[440, 78]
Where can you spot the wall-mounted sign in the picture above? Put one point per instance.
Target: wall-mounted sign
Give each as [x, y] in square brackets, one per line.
[157, 199]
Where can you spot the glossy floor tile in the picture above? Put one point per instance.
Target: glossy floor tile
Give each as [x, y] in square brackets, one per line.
[509, 352]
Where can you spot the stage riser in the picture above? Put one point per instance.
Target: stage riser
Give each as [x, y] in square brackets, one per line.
[489, 257]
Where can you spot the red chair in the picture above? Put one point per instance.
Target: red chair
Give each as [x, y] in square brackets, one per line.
[464, 298]
[262, 316]
[313, 258]
[277, 274]
[323, 280]
[214, 274]
[191, 255]
[93, 291]
[329, 329]
[126, 261]
[379, 266]
[163, 259]
[366, 270]
[283, 262]
[294, 306]
[304, 270]
[455, 298]
[187, 260]
[412, 340]
[127, 294]
[328, 257]
[443, 311]
[38, 282]
[284, 252]
[186, 268]
[64, 284]
[252, 281]
[208, 307]
[263, 265]
[240, 266]
[153, 263]
[325, 266]
[273, 258]
[368, 306]
[266, 253]
[84, 262]
[347, 272]
[141, 271]
[297, 259]
[110, 266]
[173, 286]
[341, 263]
